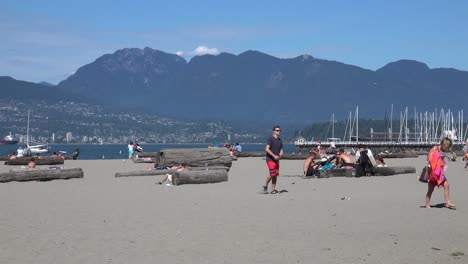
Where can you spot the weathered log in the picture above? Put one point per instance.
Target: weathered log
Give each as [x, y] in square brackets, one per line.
[379, 171]
[163, 172]
[288, 156]
[387, 171]
[199, 177]
[251, 154]
[195, 157]
[144, 160]
[398, 155]
[41, 174]
[39, 161]
[148, 154]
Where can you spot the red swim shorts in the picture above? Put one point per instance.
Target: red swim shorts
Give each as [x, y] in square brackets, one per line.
[273, 166]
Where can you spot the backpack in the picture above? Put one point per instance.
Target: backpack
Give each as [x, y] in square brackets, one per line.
[364, 166]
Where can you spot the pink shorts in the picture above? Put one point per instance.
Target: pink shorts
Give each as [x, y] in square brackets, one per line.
[273, 166]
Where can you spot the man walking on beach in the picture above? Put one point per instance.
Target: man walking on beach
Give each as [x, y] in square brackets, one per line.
[274, 152]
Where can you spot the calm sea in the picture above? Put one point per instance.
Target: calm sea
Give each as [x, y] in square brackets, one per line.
[117, 151]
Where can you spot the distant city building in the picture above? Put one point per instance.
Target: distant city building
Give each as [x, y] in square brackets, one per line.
[69, 136]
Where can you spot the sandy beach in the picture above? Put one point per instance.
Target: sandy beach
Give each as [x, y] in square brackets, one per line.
[102, 219]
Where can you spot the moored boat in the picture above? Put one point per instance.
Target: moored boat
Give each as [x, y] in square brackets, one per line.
[8, 140]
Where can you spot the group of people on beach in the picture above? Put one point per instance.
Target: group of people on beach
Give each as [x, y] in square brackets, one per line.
[133, 149]
[364, 164]
[234, 150]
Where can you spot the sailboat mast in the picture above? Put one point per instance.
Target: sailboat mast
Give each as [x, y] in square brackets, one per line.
[27, 132]
[333, 125]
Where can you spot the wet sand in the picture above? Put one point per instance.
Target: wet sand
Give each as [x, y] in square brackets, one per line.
[102, 219]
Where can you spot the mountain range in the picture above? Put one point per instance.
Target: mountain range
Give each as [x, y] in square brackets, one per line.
[256, 86]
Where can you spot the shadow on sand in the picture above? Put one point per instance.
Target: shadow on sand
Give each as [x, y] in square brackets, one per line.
[440, 205]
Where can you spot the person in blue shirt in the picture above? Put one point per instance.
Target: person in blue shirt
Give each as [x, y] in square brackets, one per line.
[238, 148]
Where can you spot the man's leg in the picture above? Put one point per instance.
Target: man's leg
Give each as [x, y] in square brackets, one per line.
[268, 179]
[274, 175]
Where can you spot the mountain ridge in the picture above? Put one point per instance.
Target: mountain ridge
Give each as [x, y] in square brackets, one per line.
[257, 86]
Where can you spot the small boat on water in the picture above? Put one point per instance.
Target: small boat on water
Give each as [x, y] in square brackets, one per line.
[39, 149]
[8, 140]
[35, 149]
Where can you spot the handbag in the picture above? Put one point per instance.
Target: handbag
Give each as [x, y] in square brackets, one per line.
[425, 174]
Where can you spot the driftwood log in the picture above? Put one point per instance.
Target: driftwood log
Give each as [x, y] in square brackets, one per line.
[41, 175]
[148, 154]
[251, 154]
[286, 156]
[295, 156]
[379, 171]
[144, 160]
[195, 157]
[39, 161]
[398, 155]
[199, 177]
[163, 172]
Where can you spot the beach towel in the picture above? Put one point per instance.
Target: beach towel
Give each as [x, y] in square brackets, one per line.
[438, 163]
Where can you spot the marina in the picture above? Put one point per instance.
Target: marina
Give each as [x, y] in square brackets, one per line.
[427, 130]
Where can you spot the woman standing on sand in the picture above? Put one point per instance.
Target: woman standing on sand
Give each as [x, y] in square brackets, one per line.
[437, 178]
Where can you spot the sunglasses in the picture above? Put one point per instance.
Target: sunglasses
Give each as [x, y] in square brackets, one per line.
[278, 130]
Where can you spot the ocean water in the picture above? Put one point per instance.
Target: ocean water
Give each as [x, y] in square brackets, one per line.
[117, 151]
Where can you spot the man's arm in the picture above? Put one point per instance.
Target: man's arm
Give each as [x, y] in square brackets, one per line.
[268, 150]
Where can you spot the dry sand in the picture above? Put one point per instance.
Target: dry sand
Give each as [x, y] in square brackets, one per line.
[102, 219]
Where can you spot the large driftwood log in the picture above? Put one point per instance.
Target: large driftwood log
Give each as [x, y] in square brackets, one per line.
[379, 171]
[387, 171]
[286, 156]
[398, 155]
[41, 174]
[39, 161]
[163, 172]
[295, 156]
[195, 157]
[251, 154]
[144, 160]
[147, 154]
[199, 177]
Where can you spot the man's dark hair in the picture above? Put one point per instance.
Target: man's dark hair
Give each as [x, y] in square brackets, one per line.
[361, 146]
[275, 127]
[341, 150]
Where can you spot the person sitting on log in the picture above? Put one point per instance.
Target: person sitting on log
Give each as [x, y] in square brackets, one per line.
[32, 163]
[168, 177]
[313, 168]
[343, 160]
[365, 162]
[12, 156]
[54, 155]
[380, 162]
[309, 166]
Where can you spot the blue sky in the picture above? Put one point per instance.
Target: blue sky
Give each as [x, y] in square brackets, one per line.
[49, 40]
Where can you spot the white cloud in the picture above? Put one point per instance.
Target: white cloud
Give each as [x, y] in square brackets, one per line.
[180, 53]
[203, 50]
